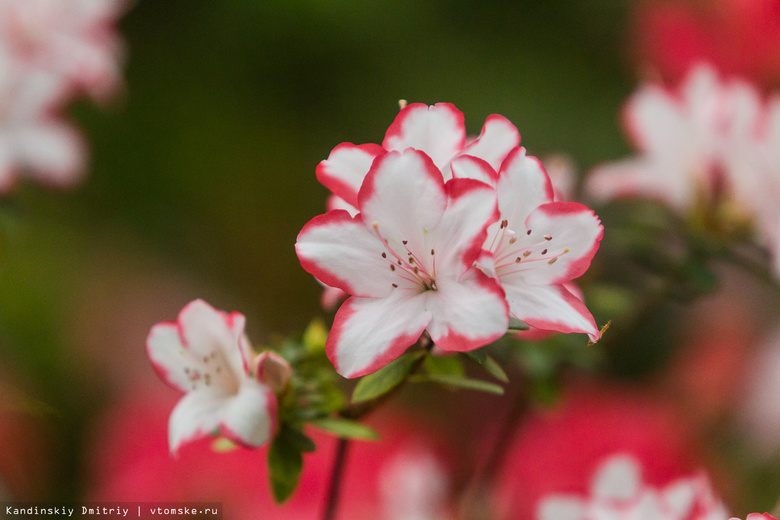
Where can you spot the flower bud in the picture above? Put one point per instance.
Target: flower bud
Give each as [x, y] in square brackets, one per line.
[273, 370]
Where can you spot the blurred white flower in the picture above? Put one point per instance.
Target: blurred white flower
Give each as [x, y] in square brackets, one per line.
[50, 52]
[684, 138]
[618, 493]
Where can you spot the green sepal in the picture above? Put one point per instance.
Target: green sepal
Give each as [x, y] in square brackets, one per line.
[516, 325]
[386, 378]
[346, 428]
[478, 356]
[492, 367]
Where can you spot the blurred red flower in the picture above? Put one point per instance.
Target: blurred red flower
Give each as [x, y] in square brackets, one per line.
[739, 37]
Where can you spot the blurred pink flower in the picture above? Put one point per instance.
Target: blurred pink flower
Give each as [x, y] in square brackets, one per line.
[404, 474]
[407, 260]
[206, 355]
[737, 36]
[557, 451]
[758, 516]
[686, 140]
[618, 492]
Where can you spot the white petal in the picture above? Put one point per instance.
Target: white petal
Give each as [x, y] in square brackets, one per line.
[647, 178]
[468, 167]
[548, 308]
[341, 252]
[369, 333]
[497, 139]
[680, 497]
[568, 229]
[467, 313]
[176, 362]
[656, 123]
[438, 130]
[522, 186]
[619, 478]
[53, 152]
[195, 416]
[404, 197]
[209, 333]
[249, 418]
[462, 230]
[336, 202]
[346, 167]
[649, 507]
[166, 352]
[561, 507]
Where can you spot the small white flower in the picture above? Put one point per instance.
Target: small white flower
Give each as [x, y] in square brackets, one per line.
[206, 355]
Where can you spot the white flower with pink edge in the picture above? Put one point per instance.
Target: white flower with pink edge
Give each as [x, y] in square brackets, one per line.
[685, 139]
[618, 493]
[206, 354]
[438, 131]
[407, 260]
[538, 246]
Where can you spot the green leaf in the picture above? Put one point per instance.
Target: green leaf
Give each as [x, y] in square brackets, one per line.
[386, 378]
[346, 428]
[445, 365]
[478, 356]
[466, 382]
[285, 463]
[492, 367]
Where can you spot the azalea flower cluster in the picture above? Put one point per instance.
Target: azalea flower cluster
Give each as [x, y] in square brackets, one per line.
[441, 240]
[52, 51]
[431, 232]
[711, 146]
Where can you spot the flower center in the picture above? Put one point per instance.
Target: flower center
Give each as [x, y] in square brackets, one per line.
[420, 270]
[209, 371]
[514, 254]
